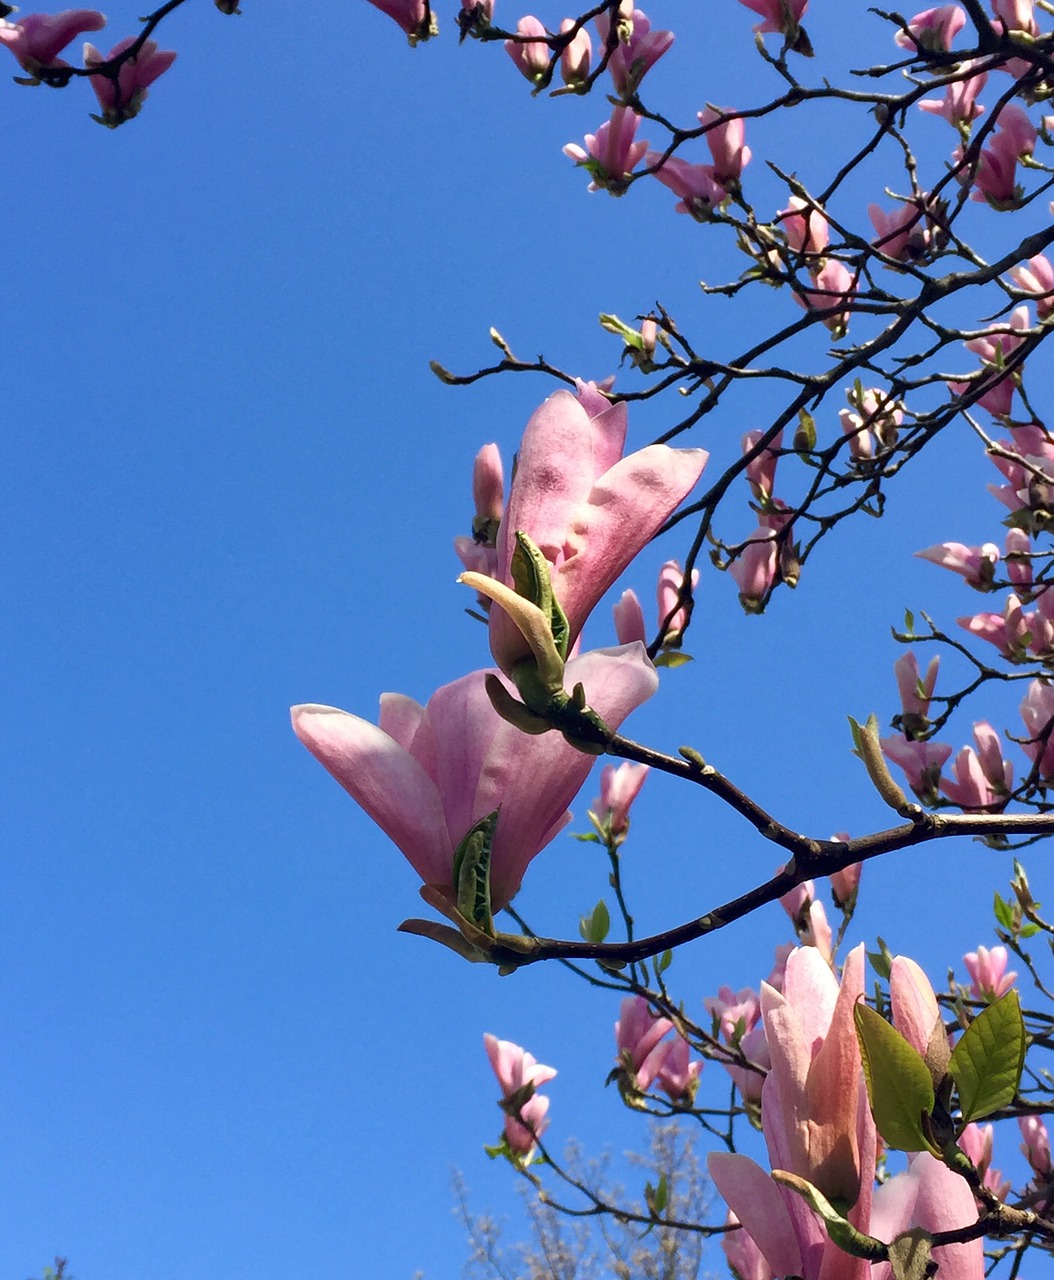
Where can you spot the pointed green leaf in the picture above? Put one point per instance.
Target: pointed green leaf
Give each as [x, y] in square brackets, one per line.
[472, 873]
[672, 658]
[881, 960]
[899, 1086]
[663, 962]
[595, 926]
[987, 1062]
[1004, 913]
[841, 1230]
[909, 622]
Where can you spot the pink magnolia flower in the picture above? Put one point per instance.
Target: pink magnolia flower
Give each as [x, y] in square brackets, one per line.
[761, 470]
[755, 569]
[872, 421]
[488, 486]
[632, 60]
[677, 1077]
[977, 1142]
[123, 99]
[38, 39]
[725, 138]
[414, 16]
[531, 55]
[1016, 15]
[932, 30]
[1037, 711]
[987, 969]
[699, 191]
[737, 1015]
[426, 775]
[1036, 277]
[745, 1259]
[1018, 559]
[638, 1036]
[585, 506]
[845, 885]
[959, 106]
[619, 787]
[517, 1072]
[832, 292]
[1010, 631]
[995, 178]
[629, 619]
[1036, 1145]
[915, 690]
[983, 779]
[807, 230]
[921, 761]
[903, 234]
[778, 15]
[576, 56]
[610, 155]
[668, 594]
[975, 564]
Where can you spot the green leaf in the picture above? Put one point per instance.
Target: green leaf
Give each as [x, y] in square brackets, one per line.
[472, 873]
[841, 1230]
[909, 1255]
[672, 658]
[663, 962]
[1004, 913]
[987, 1062]
[594, 927]
[532, 578]
[881, 960]
[899, 1086]
[909, 622]
[656, 1198]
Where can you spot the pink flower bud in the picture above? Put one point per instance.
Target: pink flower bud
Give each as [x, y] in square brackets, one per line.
[638, 1034]
[915, 691]
[921, 761]
[1016, 15]
[805, 227]
[987, 968]
[531, 55]
[677, 1077]
[778, 15]
[633, 58]
[576, 56]
[845, 884]
[414, 16]
[916, 1012]
[932, 30]
[619, 787]
[1036, 1145]
[761, 470]
[611, 154]
[518, 1070]
[959, 106]
[668, 594]
[699, 191]
[903, 234]
[1037, 711]
[629, 619]
[122, 100]
[975, 564]
[834, 286]
[1018, 558]
[1036, 277]
[488, 491]
[983, 779]
[725, 140]
[755, 569]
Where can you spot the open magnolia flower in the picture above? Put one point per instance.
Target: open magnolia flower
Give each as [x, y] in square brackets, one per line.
[427, 775]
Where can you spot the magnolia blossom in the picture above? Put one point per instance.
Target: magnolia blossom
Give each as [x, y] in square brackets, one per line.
[917, 1015]
[629, 619]
[983, 779]
[832, 292]
[427, 775]
[975, 564]
[845, 885]
[1037, 711]
[903, 234]
[576, 55]
[38, 39]
[610, 154]
[1019, 559]
[995, 347]
[669, 591]
[638, 1036]
[872, 422]
[414, 16]
[978, 1142]
[632, 59]
[737, 1018]
[1010, 631]
[1036, 1145]
[725, 138]
[915, 690]
[987, 969]
[1029, 469]
[518, 1072]
[532, 53]
[1016, 15]
[122, 100]
[932, 30]
[995, 178]
[677, 1077]
[696, 185]
[807, 230]
[761, 469]
[742, 1253]
[755, 569]
[619, 787]
[817, 1124]
[1036, 277]
[778, 15]
[921, 761]
[585, 506]
[959, 106]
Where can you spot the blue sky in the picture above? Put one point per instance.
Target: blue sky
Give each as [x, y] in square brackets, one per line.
[231, 484]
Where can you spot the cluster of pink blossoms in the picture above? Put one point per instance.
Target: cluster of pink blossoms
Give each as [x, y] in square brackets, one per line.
[37, 39]
[428, 775]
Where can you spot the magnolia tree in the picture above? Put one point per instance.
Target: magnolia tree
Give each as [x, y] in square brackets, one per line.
[892, 318]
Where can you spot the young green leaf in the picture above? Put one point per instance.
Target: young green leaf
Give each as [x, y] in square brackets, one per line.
[841, 1230]
[899, 1086]
[595, 926]
[987, 1062]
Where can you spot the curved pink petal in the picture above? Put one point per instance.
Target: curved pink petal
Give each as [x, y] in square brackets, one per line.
[758, 1204]
[385, 780]
[945, 1202]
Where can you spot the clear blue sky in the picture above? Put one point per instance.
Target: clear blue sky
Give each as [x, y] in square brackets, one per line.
[231, 484]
